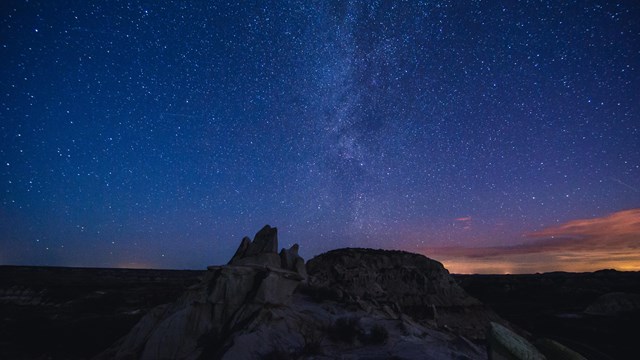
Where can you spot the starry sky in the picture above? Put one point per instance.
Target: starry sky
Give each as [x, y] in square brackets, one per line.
[494, 136]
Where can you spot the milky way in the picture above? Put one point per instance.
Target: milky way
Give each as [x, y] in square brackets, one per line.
[151, 134]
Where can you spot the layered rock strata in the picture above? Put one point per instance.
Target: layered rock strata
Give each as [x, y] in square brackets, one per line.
[229, 297]
[411, 284]
[264, 305]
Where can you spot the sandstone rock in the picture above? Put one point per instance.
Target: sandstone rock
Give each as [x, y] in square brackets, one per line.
[271, 260]
[250, 309]
[300, 268]
[227, 297]
[504, 344]
[265, 241]
[290, 260]
[242, 249]
[416, 285]
[556, 351]
[141, 332]
[409, 279]
[262, 251]
[288, 256]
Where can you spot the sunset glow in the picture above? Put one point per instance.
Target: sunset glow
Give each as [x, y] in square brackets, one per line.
[609, 242]
[500, 136]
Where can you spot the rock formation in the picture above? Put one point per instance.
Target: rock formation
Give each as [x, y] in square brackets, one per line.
[356, 303]
[227, 299]
[409, 283]
[262, 251]
[505, 344]
[290, 260]
[264, 305]
[554, 350]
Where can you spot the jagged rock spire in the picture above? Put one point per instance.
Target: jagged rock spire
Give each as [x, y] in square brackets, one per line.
[262, 251]
[265, 241]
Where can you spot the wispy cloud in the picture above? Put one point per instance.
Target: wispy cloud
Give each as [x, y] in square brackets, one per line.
[616, 230]
[464, 221]
[611, 241]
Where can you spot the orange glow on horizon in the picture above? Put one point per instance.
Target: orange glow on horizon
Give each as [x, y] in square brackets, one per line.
[608, 242]
[533, 263]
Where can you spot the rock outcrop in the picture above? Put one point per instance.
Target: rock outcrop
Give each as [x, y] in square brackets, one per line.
[504, 344]
[262, 305]
[554, 350]
[224, 302]
[290, 260]
[408, 283]
[262, 251]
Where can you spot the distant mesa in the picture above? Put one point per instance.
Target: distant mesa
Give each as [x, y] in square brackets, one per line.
[612, 304]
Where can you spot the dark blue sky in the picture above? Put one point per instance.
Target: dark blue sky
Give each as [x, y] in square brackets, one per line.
[158, 134]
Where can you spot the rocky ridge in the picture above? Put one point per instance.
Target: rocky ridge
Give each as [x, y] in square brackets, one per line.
[402, 283]
[616, 303]
[75, 313]
[202, 321]
[263, 304]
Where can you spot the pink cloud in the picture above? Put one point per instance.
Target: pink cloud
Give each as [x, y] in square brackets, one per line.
[619, 229]
[611, 241]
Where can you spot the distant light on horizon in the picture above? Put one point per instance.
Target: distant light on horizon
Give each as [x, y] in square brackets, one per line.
[529, 264]
[583, 245]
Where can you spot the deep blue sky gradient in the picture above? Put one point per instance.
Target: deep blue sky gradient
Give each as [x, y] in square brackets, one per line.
[158, 134]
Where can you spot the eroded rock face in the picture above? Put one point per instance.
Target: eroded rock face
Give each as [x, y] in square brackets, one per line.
[265, 241]
[251, 309]
[225, 300]
[407, 279]
[507, 345]
[262, 251]
[408, 283]
[290, 260]
[554, 350]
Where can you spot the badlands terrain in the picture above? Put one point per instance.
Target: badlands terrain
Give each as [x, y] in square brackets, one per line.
[344, 304]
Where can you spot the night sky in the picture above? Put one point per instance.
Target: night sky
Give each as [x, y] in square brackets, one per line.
[486, 134]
